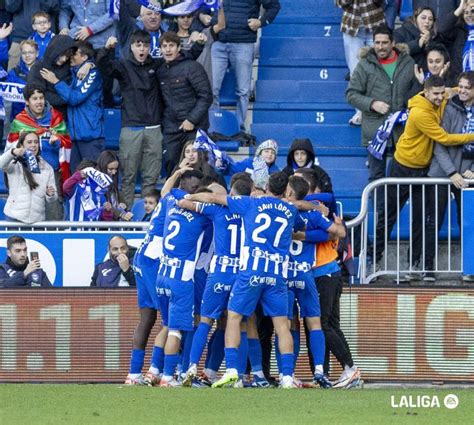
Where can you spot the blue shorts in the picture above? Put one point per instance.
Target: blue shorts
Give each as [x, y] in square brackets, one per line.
[181, 304]
[250, 288]
[216, 294]
[163, 298]
[146, 271]
[306, 293]
[200, 279]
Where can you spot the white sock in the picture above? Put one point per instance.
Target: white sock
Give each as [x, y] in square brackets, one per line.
[167, 378]
[232, 371]
[154, 370]
[259, 374]
[211, 374]
[134, 375]
[319, 369]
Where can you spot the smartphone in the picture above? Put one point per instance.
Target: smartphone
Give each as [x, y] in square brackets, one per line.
[34, 255]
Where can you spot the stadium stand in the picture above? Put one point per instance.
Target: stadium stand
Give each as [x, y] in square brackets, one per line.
[300, 93]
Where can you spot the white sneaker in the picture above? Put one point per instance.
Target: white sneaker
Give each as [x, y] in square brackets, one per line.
[356, 118]
[347, 377]
[152, 379]
[287, 382]
[132, 380]
[169, 384]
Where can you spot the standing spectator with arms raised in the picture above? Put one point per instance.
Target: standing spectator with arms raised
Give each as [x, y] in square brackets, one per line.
[140, 137]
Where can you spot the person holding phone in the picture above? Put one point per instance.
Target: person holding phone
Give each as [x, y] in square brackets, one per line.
[31, 183]
[18, 270]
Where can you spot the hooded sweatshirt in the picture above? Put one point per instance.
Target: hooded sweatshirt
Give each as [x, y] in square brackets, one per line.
[58, 45]
[415, 146]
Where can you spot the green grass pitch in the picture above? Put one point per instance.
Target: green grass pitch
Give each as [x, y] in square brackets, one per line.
[116, 404]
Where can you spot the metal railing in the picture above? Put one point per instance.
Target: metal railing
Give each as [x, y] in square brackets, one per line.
[370, 236]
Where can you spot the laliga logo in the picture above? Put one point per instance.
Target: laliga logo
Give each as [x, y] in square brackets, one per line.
[254, 281]
[450, 401]
[218, 288]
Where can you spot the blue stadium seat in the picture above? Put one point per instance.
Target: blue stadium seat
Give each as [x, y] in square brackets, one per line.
[113, 125]
[299, 29]
[223, 121]
[227, 96]
[301, 91]
[302, 73]
[286, 50]
[3, 187]
[3, 201]
[308, 8]
[317, 114]
[138, 210]
[321, 135]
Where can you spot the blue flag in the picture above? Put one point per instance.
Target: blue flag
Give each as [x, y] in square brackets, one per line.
[190, 6]
[204, 143]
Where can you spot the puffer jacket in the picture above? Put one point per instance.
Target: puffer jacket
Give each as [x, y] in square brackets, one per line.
[93, 14]
[141, 99]
[24, 204]
[238, 12]
[186, 94]
[370, 82]
[58, 45]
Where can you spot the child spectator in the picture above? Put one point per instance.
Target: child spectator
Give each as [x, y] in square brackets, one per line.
[31, 181]
[260, 166]
[42, 34]
[19, 74]
[85, 192]
[301, 155]
[114, 208]
[151, 200]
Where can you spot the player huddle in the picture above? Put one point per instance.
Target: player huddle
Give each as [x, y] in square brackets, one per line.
[209, 256]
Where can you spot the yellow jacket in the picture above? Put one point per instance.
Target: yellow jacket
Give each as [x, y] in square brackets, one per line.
[415, 146]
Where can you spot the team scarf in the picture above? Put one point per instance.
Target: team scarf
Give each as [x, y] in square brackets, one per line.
[11, 92]
[379, 143]
[260, 173]
[468, 52]
[57, 127]
[190, 6]
[91, 193]
[204, 143]
[468, 149]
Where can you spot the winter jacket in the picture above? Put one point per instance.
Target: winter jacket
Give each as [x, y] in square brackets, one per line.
[23, 11]
[238, 12]
[454, 35]
[84, 98]
[18, 75]
[370, 82]
[58, 45]
[93, 14]
[57, 154]
[109, 274]
[415, 146]
[12, 276]
[24, 204]
[306, 145]
[409, 34]
[448, 160]
[186, 93]
[141, 99]
[441, 8]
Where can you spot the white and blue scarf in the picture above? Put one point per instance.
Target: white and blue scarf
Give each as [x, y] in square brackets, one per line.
[468, 149]
[468, 52]
[91, 192]
[204, 143]
[379, 143]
